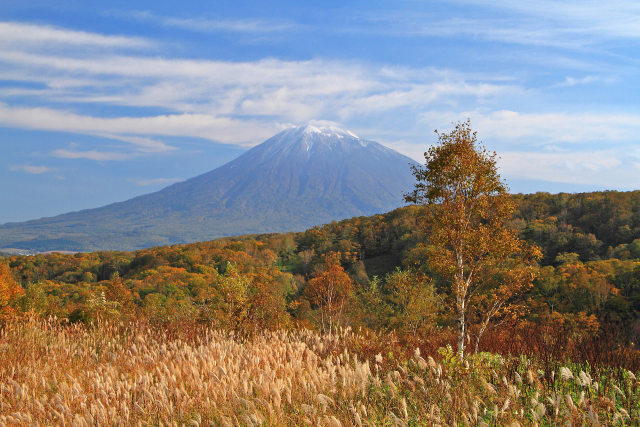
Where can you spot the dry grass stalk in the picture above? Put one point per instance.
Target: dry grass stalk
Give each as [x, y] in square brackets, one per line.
[55, 374]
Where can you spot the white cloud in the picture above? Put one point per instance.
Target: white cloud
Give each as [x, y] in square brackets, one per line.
[221, 129]
[566, 25]
[34, 170]
[571, 148]
[31, 35]
[265, 87]
[526, 32]
[570, 81]
[211, 24]
[91, 155]
[143, 144]
[609, 168]
[236, 26]
[424, 94]
[615, 19]
[231, 102]
[604, 168]
[544, 128]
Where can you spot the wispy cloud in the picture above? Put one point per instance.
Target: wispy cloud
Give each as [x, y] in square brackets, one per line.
[571, 25]
[142, 144]
[221, 129]
[620, 19]
[34, 170]
[565, 147]
[563, 127]
[92, 155]
[236, 26]
[612, 167]
[26, 35]
[240, 26]
[525, 32]
[210, 24]
[225, 101]
[571, 81]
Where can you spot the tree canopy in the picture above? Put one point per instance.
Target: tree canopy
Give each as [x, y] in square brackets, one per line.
[470, 243]
[9, 290]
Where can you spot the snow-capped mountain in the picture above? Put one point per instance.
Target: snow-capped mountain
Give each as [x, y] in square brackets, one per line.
[301, 177]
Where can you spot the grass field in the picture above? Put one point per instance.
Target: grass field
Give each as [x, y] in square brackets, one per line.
[54, 373]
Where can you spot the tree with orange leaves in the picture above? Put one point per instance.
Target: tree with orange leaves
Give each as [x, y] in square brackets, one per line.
[329, 290]
[9, 290]
[470, 244]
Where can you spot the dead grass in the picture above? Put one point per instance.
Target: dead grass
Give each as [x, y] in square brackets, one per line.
[60, 374]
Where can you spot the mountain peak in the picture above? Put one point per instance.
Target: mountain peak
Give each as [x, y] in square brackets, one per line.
[312, 135]
[301, 177]
[327, 129]
[322, 128]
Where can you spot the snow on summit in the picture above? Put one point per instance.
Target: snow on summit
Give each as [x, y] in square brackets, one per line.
[327, 130]
[312, 134]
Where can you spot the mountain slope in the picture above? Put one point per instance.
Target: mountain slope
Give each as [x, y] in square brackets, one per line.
[301, 177]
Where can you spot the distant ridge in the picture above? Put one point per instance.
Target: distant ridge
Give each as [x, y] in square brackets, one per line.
[301, 177]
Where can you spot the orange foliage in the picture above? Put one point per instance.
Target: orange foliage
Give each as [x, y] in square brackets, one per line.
[9, 290]
[330, 289]
[471, 242]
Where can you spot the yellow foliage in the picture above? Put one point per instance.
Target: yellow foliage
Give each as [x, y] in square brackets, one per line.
[9, 290]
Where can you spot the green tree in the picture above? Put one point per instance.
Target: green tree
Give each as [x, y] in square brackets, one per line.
[371, 305]
[415, 301]
[470, 244]
[231, 301]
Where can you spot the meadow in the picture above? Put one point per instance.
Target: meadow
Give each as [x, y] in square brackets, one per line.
[55, 372]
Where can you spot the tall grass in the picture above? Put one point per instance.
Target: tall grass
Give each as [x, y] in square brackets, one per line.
[53, 373]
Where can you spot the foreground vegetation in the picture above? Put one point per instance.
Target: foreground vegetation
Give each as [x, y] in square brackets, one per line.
[114, 374]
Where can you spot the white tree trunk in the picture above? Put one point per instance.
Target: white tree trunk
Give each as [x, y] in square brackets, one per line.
[461, 328]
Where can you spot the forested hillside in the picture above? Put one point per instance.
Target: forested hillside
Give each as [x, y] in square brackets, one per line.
[589, 278]
[595, 226]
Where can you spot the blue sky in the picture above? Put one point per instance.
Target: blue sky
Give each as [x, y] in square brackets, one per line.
[104, 100]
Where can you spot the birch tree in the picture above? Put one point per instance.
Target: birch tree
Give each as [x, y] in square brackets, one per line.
[470, 244]
[329, 290]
